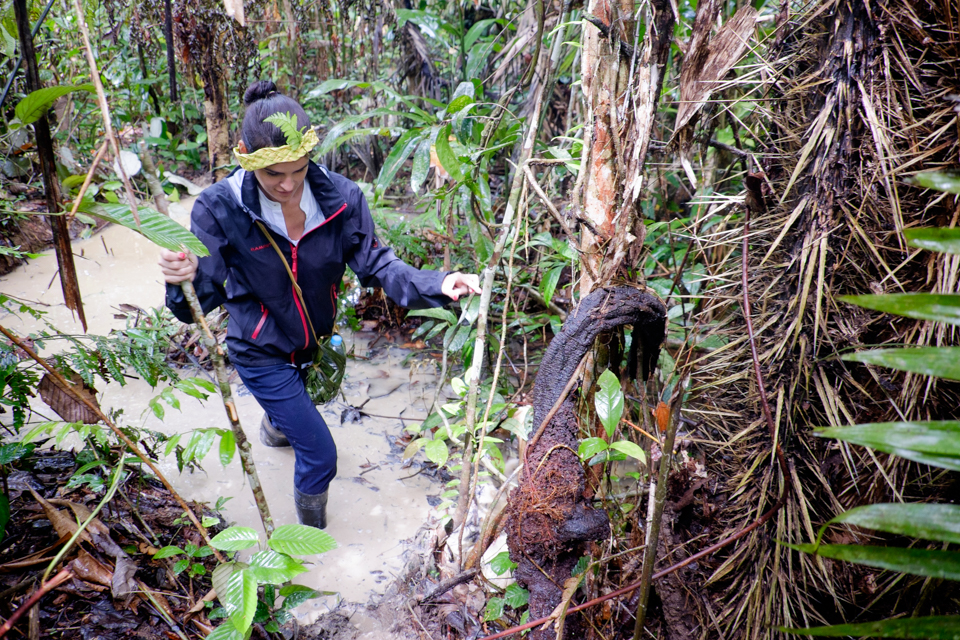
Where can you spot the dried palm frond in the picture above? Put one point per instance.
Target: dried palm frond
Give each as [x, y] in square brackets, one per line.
[858, 98]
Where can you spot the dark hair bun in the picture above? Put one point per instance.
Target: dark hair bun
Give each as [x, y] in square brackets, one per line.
[258, 91]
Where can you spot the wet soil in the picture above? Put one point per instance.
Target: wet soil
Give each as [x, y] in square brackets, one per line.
[378, 502]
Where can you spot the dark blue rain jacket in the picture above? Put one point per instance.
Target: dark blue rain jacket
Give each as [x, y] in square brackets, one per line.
[243, 272]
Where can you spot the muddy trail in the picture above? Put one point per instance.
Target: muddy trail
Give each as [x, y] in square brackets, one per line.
[380, 505]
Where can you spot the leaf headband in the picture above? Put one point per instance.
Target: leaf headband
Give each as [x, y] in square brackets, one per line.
[299, 144]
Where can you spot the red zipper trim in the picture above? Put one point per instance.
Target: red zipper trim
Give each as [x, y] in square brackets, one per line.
[263, 318]
[335, 214]
[296, 298]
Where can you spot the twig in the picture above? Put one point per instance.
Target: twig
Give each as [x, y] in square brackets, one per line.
[448, 584]
[63, 384]
[89, 178]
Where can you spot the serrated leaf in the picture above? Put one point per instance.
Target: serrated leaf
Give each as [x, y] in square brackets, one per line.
[437, 313]
[939, 362]
[436, 452]
[235, 539]
[609, 401]
[270, 567]
[935, 442]
[36, 103]
[920, 306]
[931, 628]
[159, 229]
[240, 599]
[590, 447]
[228, 445]
[931, 563]
[935, 239]
[516, 596]
[501, 563]
[287, 123]
[301, 540]
[446, 156]
[167, 552]
[632, 449]
[928, 521]
[493, 610]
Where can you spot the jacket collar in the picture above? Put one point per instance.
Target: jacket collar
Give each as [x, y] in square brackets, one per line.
[326, 193]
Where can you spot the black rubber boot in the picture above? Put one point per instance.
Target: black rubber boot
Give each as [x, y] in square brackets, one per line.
[311, 509]
[270, 436]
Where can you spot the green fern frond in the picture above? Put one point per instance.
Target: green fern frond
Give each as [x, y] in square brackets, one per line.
[287, 123]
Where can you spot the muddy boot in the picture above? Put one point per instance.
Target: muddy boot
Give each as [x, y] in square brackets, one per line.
[311, 509]
[270, 436]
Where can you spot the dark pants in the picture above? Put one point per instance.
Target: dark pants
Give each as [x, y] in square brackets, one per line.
[280, 391]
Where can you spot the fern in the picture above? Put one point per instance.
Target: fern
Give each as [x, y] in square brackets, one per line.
[287, 123]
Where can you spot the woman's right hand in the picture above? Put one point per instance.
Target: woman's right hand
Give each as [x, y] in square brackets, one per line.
[177, 266]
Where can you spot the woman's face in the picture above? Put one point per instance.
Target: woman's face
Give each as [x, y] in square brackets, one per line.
[282, 181]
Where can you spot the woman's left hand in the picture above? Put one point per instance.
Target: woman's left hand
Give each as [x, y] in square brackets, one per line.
[457, 284]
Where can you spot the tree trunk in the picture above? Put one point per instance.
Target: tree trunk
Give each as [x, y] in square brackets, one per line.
[216, 110]
[58, 223]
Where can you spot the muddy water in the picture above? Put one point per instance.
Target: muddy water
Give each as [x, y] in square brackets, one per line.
[376, 503]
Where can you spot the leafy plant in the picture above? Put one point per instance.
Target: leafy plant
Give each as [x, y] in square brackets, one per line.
[936, 443]
[247, 591]
[608, 401]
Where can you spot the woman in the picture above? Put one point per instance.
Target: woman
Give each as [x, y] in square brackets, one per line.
[320, 222]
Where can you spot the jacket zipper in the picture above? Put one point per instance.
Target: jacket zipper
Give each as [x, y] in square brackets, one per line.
[296, 298]
[263, 318]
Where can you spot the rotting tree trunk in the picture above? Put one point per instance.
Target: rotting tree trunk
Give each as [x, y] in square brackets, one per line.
[549, 520]
[58, 223]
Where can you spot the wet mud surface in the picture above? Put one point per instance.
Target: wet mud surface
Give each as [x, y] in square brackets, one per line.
[377, 502]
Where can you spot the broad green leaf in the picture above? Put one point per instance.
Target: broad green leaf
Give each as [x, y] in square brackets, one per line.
[180, 566]
[155, 227]
[167, 552]
[397, 156]
[421, 165]
[301, 540]
[932, 563]
[591, 447]
[296, 594]
[16, 450]
[920, 306]
[240, 599]
[459, 103]
[32, 107]
[235, 539]
[226, 631]
[934, 239]
[516, 596]
[436, 452]
[939, 362]
[609, 401]
[935, 443]
[501, 563]
[631, 449]
[931, 628]
[493, 610]
[228, 444]
[476, 31]
[270, 567]
[345, 130]
[437, 313]
[446, 156]
[928, 521]
[937, 180]
[548, 284]
[335, 84]
[221, 575]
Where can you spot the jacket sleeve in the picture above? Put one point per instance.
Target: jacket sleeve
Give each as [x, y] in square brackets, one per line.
[211, 270]
[377, 265]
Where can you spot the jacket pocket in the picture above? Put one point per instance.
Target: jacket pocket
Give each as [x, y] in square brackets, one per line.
[263, 319]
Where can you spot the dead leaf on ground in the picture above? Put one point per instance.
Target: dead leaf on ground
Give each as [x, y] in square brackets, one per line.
[124, 582]
[88, 568]
[64, 403]
[99, 533]
[62, 523]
